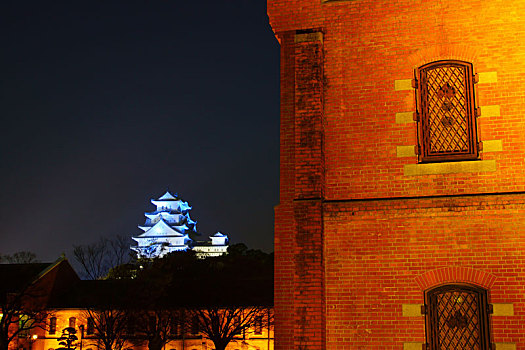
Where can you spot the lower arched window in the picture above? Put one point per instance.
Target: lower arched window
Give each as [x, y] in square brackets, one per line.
[457, 318]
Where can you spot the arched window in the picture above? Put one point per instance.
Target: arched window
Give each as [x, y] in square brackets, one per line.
[457, 318]
[52, 325]
[446, 112]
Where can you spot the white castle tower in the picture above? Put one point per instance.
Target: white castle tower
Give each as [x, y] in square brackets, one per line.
[167, 229]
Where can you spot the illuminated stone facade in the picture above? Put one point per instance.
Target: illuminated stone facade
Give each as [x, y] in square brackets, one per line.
[167, 230]
[367, 227]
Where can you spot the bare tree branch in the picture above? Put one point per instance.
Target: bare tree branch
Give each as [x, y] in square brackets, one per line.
[157, 327]
[109, 326]
[22, 311]
[222, 324]
[98, 258]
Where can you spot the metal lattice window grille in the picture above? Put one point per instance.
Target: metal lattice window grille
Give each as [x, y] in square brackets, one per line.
[457, 318]
[446, 112]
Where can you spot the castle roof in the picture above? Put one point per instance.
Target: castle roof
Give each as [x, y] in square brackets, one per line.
[162, 229]
[163, 214]
[168, 197]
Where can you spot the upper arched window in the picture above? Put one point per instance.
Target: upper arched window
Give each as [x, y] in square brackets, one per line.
[446, 112]
[457, 318]
[52, 325]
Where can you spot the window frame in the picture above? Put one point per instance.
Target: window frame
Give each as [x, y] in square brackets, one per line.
[425, 154]
[431, 316]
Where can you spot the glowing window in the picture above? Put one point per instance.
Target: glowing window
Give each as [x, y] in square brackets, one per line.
[457, 318]
[258, 325]
[52, 325]
[25, 323]
[72, 322]
[446, 112]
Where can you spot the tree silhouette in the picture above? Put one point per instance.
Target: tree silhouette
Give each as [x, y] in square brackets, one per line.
[68, 339]
[98, 258]
[223, 296]
[21, 304]
[109, 327]
[222, 324]
[157, 327]
[21, 257]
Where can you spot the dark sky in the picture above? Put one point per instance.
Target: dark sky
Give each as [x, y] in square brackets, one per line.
[107, 104]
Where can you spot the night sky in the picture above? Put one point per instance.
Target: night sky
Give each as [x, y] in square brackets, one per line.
[107, 104]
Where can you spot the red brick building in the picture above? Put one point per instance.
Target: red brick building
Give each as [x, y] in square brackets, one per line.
[401, 222]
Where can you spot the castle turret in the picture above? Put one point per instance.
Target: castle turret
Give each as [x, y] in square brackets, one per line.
[216, 246]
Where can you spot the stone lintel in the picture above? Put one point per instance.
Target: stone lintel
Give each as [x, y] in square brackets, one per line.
[477, 166]
[309, 37]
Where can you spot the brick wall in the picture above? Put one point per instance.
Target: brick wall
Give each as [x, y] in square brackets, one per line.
[381, 255]
[361, 226]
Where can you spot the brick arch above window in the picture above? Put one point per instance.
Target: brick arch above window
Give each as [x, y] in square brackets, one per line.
[433, 53]
[448, 275]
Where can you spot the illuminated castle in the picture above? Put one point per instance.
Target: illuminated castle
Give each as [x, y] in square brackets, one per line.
[167, 230]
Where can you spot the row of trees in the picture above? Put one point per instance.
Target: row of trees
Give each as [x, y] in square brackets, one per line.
[223, 297]
[21, 257]
[155, 328]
